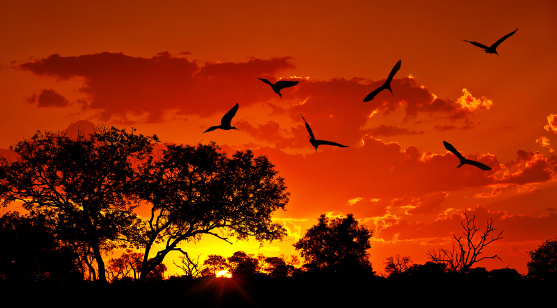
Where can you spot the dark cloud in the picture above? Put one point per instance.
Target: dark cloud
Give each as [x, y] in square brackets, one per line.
[123, 87]
[414, 99]
[530, 167]
[48, 98]
[127, 89]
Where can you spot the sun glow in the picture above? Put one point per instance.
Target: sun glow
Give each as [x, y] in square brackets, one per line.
[223, 274]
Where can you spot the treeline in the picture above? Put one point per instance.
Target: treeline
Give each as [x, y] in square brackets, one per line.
[81, 193]
[31, 252]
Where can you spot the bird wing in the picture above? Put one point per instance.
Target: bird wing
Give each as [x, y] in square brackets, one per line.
[309, 129]
[502, 39]
[265, 81]
[229, 115]
[281, 84]
[393, 72]
[325, 142]
[477, 44]
[450, 147]
[371, 95]
[212, 128]
[477, 164]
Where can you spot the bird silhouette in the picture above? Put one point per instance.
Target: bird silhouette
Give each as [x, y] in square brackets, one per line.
[463, 160]
[279, 85]
[225, 121]
[315, 143]
[492, 48]
[386, 85]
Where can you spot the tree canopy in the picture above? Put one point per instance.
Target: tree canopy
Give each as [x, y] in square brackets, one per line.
[338, 245]
[82, 184]
[543, 261]
[199, 190]
[88, 187]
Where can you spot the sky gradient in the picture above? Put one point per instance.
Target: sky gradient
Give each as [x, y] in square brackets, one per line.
[173, 68]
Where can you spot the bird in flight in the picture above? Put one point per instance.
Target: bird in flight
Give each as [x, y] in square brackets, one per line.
[315, 143]
[463, 160]
[225, 121]
[386, 85]
[492, 48]
[279, 85]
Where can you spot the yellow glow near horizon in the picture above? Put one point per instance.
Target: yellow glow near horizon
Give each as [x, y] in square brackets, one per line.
[223, 274]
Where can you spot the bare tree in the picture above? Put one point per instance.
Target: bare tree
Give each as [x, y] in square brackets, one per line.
[190, 266]
[397, 264]
[468, 247]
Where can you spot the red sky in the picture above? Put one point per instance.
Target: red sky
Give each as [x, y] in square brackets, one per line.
[173, 68]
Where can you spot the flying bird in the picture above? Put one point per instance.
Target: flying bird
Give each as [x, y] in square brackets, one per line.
[225, 121]
[463, 160]
[386, 85]
[279, 85]
[492, 48]
[315, 143]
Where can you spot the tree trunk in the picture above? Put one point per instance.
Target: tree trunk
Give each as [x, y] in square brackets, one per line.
[100, 263]
[145, 264]
[150, 265]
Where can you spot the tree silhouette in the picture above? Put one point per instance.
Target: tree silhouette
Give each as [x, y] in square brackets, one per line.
[31, 252]
[543, 261]
[199, 190]
[242, 264]
[277, 267]
[189, 266]
[339, 245]
[469, 247]
[82, 185]
[428, 271]
[214, 264]
[128, 265]
[397, 265]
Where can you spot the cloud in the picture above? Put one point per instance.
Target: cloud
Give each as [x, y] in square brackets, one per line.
[429, 203]
[376, 170]
[469, 102]
[515, 227]
[551, 125]
[390, 130]
[531, 167]
[123, 87]
[414, 98]
[80, 127]
[48, 98]
[127, 89]
[269, 132]
[544, 142]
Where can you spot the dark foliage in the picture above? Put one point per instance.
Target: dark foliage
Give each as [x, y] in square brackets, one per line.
[339, 245]
[82, 185]
[543, 263]
[30, 252]
[194, 191]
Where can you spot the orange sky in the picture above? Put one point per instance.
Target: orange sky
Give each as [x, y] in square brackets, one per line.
[173, 68]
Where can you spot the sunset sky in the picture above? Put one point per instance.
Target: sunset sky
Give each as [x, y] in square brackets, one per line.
[173, 68]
